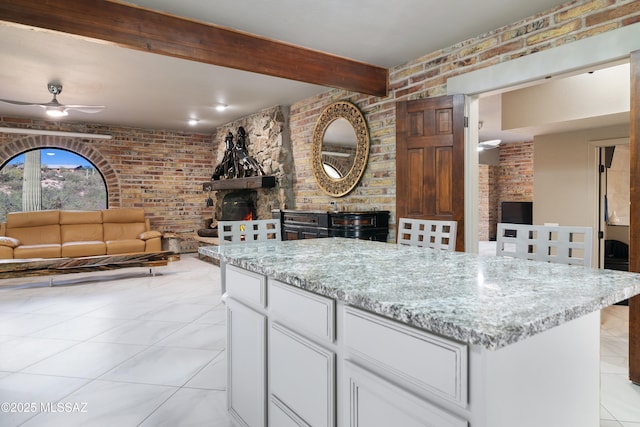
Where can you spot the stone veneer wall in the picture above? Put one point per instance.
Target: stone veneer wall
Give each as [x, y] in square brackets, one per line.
[159, 170]
[426, 77]
[269, 143]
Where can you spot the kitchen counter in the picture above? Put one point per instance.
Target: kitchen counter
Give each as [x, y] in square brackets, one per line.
[487, 301]
[345, 332]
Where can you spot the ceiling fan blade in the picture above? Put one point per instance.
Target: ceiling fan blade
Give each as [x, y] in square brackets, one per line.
[85, 108]
[8, 101]
[55, 105]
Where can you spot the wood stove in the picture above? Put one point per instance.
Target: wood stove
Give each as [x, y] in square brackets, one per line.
[234, 206]
[239, 206]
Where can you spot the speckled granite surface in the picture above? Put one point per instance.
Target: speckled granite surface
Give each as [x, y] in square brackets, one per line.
[488, 301]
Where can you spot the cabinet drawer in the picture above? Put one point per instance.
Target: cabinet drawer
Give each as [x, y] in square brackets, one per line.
[245, 286]
[301, 310]
[434, 364]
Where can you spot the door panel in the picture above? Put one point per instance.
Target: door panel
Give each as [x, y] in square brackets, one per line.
[430, 160]
[416, 174]
[444, 171]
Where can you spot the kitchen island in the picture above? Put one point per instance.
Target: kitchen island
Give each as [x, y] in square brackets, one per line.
[357, 333]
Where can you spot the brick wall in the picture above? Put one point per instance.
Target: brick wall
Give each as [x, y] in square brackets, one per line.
[426, 77]
[515, 174]
[509, 181]
[161, 171]
[377, 188]
[488, 201]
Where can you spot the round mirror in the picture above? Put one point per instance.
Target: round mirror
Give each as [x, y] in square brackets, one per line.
[340, 148]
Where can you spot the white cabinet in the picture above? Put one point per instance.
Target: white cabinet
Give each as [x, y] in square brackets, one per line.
[302, 360]
[246, 347]
[313, 315]
[301, 377]
[246, 350]
[394, 374]
[296, 358]
[432, 363]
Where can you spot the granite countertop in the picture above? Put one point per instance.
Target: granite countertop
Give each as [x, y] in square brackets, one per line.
[483, 300]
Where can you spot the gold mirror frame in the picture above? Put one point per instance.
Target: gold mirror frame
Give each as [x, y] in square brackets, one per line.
[342, 186]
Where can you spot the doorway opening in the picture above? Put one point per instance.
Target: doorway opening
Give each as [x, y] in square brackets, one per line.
[548, 155]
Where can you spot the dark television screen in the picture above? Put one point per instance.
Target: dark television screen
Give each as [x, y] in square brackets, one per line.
[517, 212]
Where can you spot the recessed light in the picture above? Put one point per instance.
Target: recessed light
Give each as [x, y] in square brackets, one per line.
[193, 122]
[221, 107]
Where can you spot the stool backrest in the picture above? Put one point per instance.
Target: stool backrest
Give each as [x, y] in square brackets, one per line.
[251, 231]
[559, 244]
[436, 234]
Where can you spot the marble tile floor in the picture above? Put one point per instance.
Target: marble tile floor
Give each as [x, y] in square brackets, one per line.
[118, 348]
[123, 348]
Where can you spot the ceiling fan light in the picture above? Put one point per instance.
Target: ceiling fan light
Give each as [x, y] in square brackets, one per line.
[57, 112]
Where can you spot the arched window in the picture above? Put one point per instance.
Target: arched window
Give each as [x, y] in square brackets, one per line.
[50, 178]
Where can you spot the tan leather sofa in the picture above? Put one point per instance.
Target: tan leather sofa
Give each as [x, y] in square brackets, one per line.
[62, 234]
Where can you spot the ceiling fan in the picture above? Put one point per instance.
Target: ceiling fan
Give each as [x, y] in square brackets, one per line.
[53, 108]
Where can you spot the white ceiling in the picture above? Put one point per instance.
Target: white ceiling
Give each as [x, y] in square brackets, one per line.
[151, 91]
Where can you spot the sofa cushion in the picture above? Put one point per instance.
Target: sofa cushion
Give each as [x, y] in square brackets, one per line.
[80, 217]
[124, 246]
[44, 234]
[80, 226]
[37, 251]
[116, 231]
[123, 223]
[80, 249]
[81, 233]
[32, 219]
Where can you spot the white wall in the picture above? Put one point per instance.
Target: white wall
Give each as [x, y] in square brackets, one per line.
[565, 179]
[568, 100]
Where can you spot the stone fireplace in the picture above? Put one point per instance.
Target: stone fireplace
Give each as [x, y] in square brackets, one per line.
[269, 143]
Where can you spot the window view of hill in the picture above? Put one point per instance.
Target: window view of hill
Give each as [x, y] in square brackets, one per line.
[67, 181]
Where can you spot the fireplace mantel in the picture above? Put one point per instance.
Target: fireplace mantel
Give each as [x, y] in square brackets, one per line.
[249, 183]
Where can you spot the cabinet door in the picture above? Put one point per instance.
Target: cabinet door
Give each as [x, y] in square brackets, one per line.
[246, 356]
[373, 402]
[301, 377]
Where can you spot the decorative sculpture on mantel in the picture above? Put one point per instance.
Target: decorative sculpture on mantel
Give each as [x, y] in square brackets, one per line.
[236, 162]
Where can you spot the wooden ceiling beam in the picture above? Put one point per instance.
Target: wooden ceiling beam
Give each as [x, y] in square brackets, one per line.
[155, 32]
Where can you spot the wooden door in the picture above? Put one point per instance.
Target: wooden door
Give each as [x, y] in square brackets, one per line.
[634, 229]
[430, 160]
